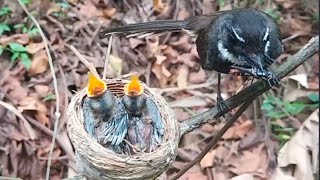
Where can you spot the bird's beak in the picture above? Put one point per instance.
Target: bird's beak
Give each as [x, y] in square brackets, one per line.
[256, 61]
[134, 87]
[96, 86]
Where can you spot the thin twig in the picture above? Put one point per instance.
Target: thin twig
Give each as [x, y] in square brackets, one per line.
[89, 65]
[215, 139]
[55, 85]
[104, 76]
[28, 127]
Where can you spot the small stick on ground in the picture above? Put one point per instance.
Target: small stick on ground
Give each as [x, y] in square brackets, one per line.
[104, 76]
[55, 85]
[89, 65]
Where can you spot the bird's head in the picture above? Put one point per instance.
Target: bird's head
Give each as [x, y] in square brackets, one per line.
[96, 86]
[134, 87]
[249, 38]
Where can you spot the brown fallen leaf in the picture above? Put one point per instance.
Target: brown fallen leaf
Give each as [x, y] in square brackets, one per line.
[219, 173]
[208, 160]
[134, 42]
[109, 12]
[193, 175]
[243, 128]
[181, 115]
[182, 79]
[183, 43]
[165, 71]
[42, 90]
[298, 158]
[89, 10]
[160, 59]
[245, 176]
[19, 38]
[39, 63]
[187, 59]
[197, 77]
[31, 104]
[158, 5]
[254, 161]
[33, 48]
[30, 130]
[230, 133]
[193, 101]
[171, 53]
[302, 79]
[152, 43]
[12, 86]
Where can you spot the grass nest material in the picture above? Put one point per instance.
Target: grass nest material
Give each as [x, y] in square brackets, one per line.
[97, 162]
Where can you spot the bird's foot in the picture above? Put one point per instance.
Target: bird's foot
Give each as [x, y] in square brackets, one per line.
[272, 79]
[221, 106]
[259, 74]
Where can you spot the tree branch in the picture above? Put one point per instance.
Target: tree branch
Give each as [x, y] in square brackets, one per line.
[255, 89]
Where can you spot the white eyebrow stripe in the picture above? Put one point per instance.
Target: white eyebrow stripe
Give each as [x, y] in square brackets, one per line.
[266, 34]
[266, 48]
[238, 37]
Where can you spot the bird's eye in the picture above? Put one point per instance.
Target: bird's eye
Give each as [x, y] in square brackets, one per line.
[238, 49]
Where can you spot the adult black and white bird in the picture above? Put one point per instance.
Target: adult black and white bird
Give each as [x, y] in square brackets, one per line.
[245, 41]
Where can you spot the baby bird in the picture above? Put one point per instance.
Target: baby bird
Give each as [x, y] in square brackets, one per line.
[142, 133]
[98, 105]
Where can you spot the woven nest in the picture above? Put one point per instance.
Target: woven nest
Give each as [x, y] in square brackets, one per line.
[96, 162]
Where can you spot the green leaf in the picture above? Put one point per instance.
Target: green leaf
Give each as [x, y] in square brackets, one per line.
[314, 97]
[284, 137]
[267, 106]
[32, 32]
[5, 10]
[14, 56]
[49, 97]
[24, 29]
[4, 27]
[25, 60]
[25, 2]
[294, 108]
[16, 47]
[1, 50]
[16, 26]
[63, 4]
[276, 114]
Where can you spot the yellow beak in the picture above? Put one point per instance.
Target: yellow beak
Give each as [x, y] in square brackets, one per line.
[134, 87]
[96, 86]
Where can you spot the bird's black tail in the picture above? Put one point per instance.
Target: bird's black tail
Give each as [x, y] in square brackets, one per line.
[153, 26]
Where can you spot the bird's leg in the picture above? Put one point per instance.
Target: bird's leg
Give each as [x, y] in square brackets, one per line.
[221, 104]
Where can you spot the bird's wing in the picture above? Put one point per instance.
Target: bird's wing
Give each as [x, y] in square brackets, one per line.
[116, 128]
[194, 24]
[157, 123]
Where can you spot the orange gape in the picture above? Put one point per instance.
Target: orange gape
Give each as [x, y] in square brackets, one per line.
[95, 86]
[134, 87]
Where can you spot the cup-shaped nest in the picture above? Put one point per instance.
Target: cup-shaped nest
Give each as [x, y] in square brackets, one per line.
[97, 162]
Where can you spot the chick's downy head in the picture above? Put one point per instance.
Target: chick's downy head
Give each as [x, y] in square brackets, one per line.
[96, 86]
[134, 87]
